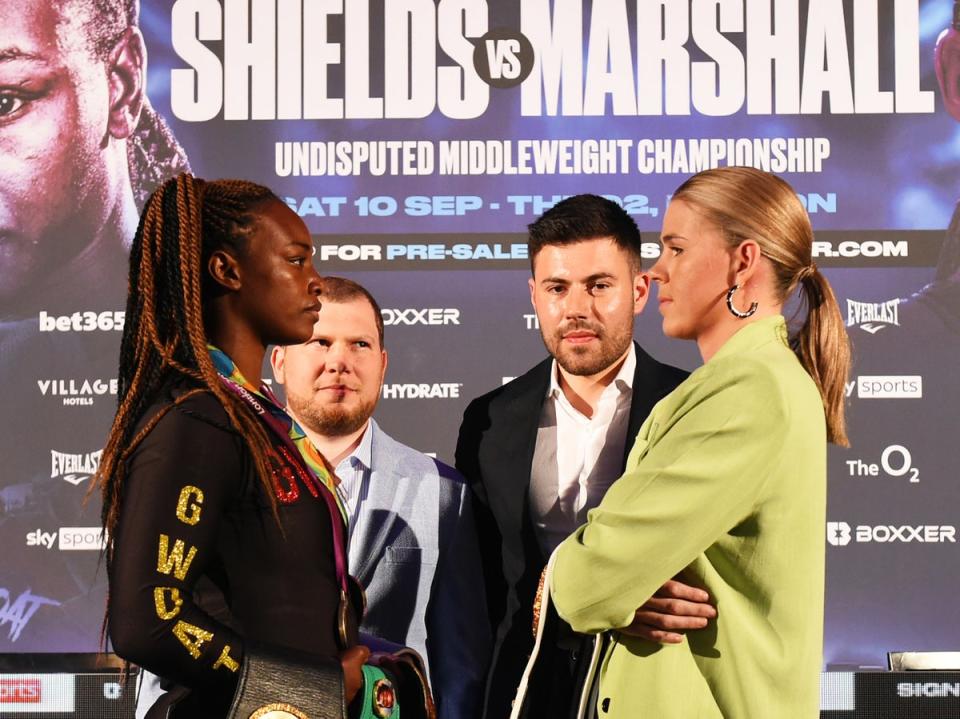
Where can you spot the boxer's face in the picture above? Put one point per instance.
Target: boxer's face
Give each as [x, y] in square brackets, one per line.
[55, 101]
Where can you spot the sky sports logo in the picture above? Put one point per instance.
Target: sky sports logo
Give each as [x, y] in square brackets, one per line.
[840, 534]
[72, 539]
[886, 387]
[32, 695]
[20, 690]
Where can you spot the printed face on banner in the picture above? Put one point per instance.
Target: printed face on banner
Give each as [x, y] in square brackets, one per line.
[333, 381]
[64, 113]
[585, 295]
[691, 273]
[279, 286]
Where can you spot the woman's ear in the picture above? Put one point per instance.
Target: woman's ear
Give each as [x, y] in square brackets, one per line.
[224, 269]
[745, 260]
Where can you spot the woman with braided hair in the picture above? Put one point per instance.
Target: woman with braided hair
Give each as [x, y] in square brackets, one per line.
[206, 483]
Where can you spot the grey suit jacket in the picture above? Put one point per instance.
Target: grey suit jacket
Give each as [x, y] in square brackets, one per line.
[416, 555]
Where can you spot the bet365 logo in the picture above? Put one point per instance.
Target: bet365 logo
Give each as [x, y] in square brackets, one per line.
[503, 57]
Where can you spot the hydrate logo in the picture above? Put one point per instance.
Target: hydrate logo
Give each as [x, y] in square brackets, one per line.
[77, 392]
[109, 321]
[840, 535]
[888, 387]
[20, 690]
[873, 316]
[438, 390]
[907, 690]
[74, 468]
[425, 316]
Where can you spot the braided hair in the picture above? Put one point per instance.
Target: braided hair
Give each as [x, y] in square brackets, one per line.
[185, 220]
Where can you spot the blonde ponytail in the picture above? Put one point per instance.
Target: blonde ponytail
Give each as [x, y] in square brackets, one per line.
[823, 349]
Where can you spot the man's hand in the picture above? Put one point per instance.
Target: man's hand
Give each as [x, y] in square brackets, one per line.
[352, 660]
[670, 613]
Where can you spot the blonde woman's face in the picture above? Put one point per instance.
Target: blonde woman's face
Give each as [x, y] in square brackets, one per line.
[693, 273]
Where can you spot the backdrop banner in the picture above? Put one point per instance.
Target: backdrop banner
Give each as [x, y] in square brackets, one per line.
[417, 139]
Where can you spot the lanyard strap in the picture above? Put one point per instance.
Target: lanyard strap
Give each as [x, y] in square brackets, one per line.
[266, 407]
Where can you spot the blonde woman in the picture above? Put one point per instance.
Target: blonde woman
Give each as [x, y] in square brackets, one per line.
[727, 478]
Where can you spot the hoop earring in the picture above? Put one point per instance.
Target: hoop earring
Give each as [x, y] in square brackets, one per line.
[734, 311]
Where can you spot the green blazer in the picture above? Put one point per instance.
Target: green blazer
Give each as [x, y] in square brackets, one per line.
[727, 479]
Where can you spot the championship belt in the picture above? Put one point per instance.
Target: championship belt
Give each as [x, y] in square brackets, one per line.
[278, 683]
[379, 695]
[404, 672]
[547, 626]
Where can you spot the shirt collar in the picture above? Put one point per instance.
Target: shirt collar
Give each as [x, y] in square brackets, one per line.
[623, 381]
[361, 453]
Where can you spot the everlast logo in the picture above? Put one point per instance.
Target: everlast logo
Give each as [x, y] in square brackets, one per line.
[928, 689]
[439, 390]
[77, 392]
[74, 468]
[873, 316]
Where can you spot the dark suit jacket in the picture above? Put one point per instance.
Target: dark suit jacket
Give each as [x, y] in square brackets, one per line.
[495, 453]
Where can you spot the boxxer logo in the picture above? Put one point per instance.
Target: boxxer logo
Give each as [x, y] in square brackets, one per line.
[425, 316]
[838, 533]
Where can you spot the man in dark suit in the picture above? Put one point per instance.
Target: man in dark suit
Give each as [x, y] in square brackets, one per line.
[541, 451]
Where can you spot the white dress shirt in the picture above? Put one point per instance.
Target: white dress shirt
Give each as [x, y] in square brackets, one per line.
[354, 475]
[577, 457]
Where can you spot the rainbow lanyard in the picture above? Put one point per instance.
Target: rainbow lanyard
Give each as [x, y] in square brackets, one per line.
[274, 416]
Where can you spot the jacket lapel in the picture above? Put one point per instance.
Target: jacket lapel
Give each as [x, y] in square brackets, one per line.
[367, 545]
[650, 385]
[516, 441]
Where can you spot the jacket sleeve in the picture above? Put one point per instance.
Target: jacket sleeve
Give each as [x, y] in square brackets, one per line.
[459, 638]
[180, 481]
[701, 475]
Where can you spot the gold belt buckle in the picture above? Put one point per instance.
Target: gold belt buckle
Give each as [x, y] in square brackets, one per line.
[278, 711]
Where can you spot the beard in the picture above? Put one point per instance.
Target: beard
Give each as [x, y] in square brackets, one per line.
[330, 420]
[584, 361]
